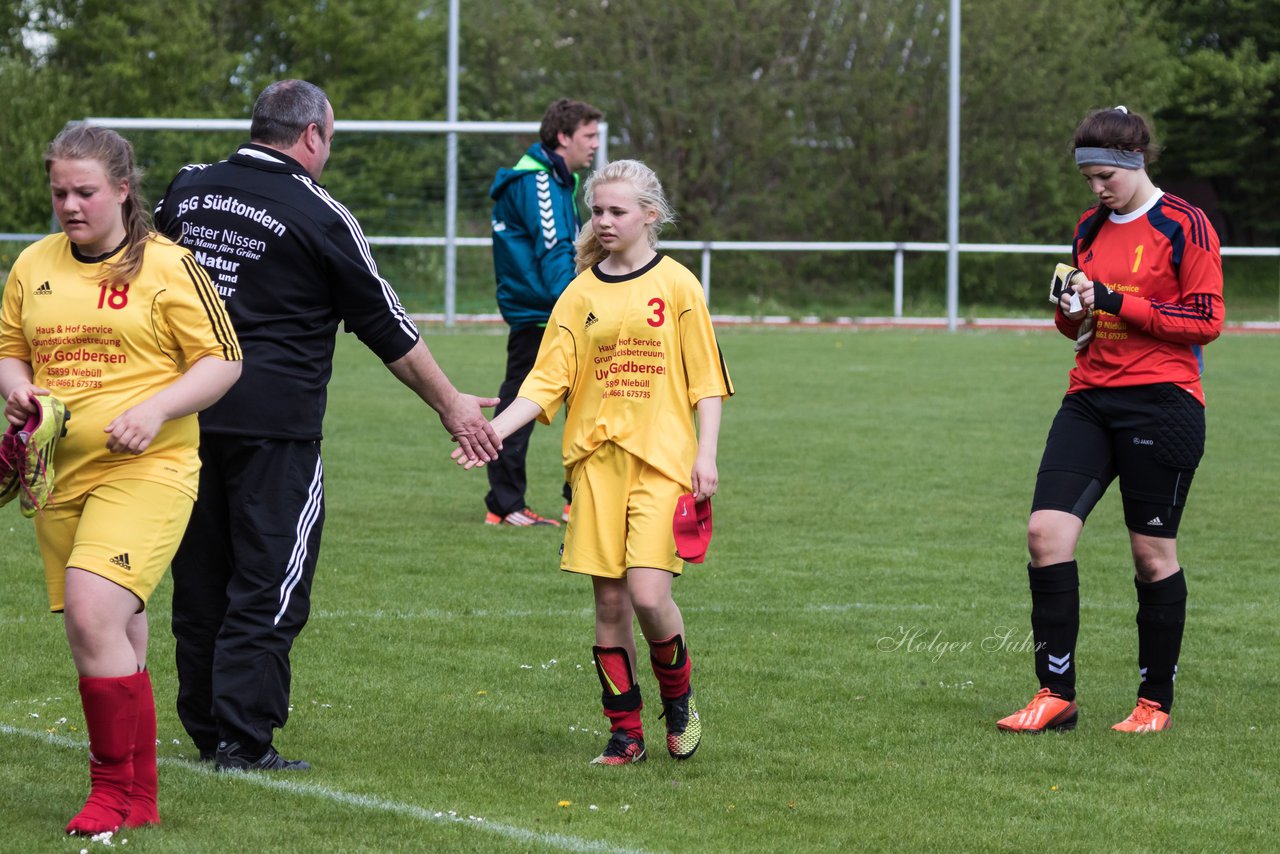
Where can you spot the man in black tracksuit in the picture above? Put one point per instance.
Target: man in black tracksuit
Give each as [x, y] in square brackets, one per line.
[291, 263]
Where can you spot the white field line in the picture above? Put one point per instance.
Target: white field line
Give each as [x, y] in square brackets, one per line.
[556, 841]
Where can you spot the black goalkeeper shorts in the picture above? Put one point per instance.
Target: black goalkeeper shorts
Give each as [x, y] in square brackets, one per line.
[1150, 436]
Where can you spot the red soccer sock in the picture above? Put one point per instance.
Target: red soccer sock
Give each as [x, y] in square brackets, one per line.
[111, 716]
[620, 695]
[671, 666]
[143, 809]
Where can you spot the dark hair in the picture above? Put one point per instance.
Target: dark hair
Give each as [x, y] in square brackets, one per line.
[1119, 128]
[565, 116]
[115, 154]
[285, 109]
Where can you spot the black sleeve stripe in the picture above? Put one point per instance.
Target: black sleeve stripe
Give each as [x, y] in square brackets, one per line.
[214, 309]
[573, 365]
[724, 370]
[1199, 223]
[1201, 308]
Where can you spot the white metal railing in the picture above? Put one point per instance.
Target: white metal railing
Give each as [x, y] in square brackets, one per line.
[451, 241]
[450, 129]
[707, 247]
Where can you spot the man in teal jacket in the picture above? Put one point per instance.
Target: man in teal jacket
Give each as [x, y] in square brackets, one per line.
[535, 221]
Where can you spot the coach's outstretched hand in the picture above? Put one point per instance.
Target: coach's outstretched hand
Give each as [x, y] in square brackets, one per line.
[470, 429]
[459, 413]
[517, 414]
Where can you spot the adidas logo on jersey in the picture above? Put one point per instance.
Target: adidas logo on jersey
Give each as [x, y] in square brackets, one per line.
[591, 319]
[122, 561]
[46, 288]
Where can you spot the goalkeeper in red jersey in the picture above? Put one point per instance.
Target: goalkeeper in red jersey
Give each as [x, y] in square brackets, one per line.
[1148, 280]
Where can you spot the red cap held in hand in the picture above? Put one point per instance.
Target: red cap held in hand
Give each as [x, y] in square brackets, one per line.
[692, 528]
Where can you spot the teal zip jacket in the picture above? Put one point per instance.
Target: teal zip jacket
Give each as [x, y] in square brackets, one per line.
[535, 221]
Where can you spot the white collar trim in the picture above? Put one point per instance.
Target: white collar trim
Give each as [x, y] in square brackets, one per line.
[1121, 219]
[261, 155]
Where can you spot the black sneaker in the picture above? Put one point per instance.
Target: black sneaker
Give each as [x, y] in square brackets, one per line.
[622, 749]
[684, 727]
[230, 758]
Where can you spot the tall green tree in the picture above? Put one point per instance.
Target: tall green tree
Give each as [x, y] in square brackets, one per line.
[1222, 125]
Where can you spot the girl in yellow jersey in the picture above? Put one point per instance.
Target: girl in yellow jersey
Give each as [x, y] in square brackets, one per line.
[124, 328]
[631, 351]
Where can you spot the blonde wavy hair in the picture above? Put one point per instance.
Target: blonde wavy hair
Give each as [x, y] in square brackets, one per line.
[648, 189]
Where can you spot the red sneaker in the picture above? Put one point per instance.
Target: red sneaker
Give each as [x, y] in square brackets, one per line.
[622, 749]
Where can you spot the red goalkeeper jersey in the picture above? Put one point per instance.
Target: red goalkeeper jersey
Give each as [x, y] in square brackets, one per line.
[1164, 259]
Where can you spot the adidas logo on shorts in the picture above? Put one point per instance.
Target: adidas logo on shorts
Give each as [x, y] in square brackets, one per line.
[122, 561]
[1156, 523]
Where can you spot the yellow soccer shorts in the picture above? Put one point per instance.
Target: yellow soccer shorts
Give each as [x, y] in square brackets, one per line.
[125, 531]
[621, 516]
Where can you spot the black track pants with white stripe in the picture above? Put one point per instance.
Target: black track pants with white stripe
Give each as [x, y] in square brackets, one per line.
[242, 586]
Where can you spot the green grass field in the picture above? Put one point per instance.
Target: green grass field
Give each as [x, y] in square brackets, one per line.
[856, 631]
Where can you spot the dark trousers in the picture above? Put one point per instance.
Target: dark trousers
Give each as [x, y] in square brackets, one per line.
[242, 586]
[507, 477]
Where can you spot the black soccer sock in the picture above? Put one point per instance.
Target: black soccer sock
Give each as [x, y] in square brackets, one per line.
[1162, 611]
[1055, 622]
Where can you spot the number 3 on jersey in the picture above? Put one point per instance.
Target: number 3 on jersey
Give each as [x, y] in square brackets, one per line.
[113, 296]
[659, 307]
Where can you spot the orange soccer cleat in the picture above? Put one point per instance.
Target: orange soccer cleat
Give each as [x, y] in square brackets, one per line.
[1147, 717]
[520, 519]
[1045, 711]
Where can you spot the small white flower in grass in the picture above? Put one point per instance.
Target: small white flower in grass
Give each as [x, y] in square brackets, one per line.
[175, 741]
[625, 808]
[593, 807]
[526, 667]
[34, 715]
[60, 721]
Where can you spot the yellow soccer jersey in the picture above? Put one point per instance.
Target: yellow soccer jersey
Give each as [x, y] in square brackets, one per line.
[102, 347]
[632, 356]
